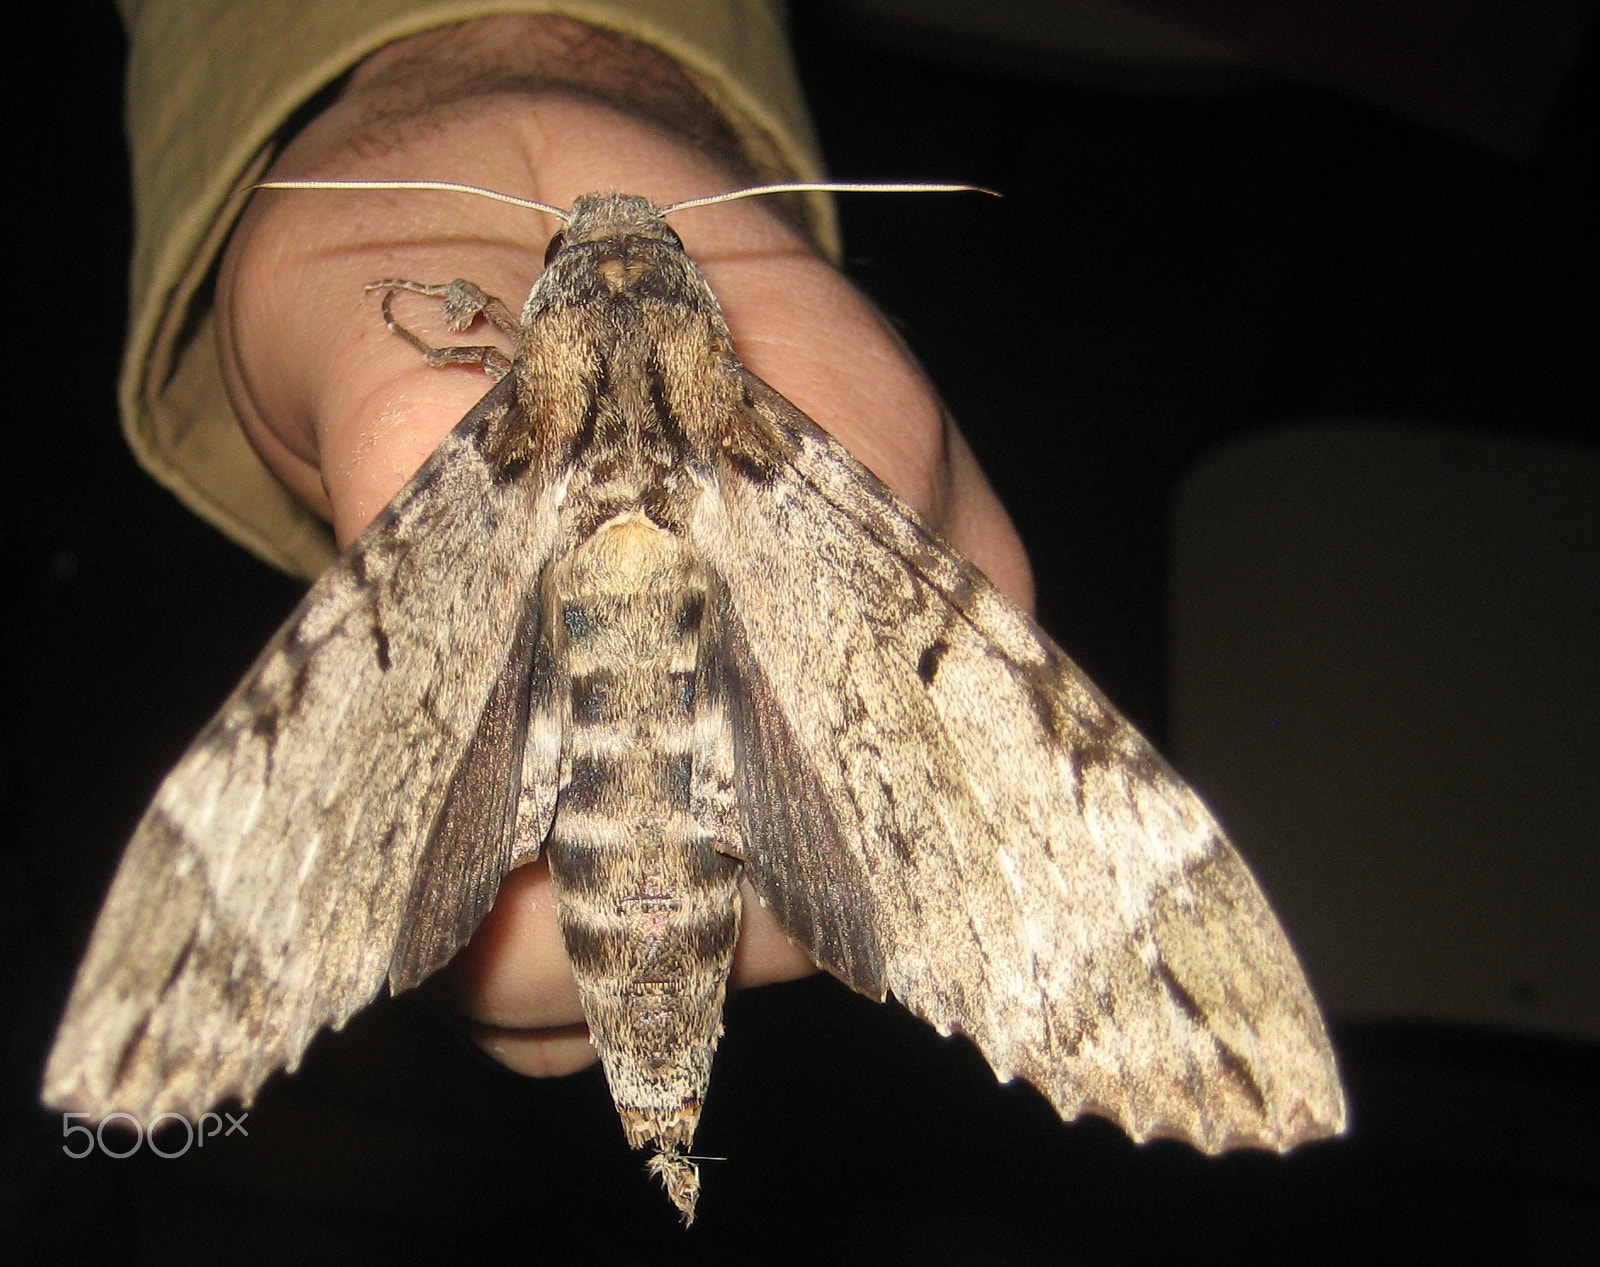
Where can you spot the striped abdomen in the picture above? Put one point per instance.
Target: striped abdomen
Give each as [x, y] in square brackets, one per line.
[648, 896]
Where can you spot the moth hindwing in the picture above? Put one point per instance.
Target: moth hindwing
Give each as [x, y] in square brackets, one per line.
[642, 617]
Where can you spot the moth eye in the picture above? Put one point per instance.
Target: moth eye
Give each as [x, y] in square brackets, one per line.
[672, 239]
[557, 245]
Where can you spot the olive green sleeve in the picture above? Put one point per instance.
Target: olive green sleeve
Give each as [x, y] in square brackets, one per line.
[211, 84]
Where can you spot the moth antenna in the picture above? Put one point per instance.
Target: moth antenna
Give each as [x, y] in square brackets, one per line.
[826, 187]
[800, 187]
[442, 186]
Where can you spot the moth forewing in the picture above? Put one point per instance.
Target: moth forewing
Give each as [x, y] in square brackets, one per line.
[1040, 879]
[641, 614]
[264, 892]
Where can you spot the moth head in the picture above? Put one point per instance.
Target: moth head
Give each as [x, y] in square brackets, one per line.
[599, 217]
[618, 242]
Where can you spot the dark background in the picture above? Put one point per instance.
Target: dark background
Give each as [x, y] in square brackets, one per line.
[1167, 270]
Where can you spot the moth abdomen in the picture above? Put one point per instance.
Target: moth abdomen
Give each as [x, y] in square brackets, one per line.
[647, 891]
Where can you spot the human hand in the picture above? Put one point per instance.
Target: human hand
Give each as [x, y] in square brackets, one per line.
[344, 412]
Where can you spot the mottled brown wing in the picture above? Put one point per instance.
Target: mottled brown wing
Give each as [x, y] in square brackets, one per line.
[938, 804]
[345, 818]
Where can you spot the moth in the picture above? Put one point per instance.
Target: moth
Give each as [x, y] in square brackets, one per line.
[640, 616]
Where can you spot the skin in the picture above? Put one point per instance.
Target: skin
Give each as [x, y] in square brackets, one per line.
[344, 412]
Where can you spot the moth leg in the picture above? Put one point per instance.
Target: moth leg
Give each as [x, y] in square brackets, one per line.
[464, 303]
